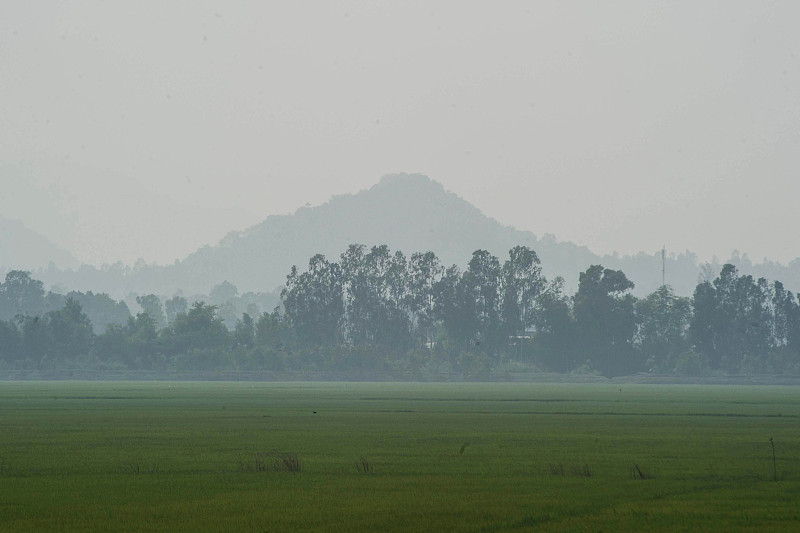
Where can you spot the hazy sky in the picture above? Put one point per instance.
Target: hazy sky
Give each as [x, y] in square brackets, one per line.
[146, 129]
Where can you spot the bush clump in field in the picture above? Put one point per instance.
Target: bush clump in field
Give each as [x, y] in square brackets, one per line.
[581, 470]
[272, 462]
[137, 468]
[257, 464]
[286, 462]
[774, 462]
[363, 466]
[557, 469]
[638, 473]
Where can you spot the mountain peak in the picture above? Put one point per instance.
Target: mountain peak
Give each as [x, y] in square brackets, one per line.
[405, 180]
[408, 212]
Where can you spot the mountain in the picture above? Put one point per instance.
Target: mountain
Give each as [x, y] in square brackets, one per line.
[103, 216]
[22, 248]
[408, 212]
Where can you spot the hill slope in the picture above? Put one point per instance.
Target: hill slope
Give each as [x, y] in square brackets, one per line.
[22, 248]
[407, 212]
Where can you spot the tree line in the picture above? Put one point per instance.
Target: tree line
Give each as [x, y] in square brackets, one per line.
[377, 310]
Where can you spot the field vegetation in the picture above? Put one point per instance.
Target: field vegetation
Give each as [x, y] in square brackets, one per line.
[94, 456]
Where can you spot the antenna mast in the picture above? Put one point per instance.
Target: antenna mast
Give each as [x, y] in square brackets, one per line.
[664, 265]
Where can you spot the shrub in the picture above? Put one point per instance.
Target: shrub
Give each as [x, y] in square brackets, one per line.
[286, 462]
[363, 466]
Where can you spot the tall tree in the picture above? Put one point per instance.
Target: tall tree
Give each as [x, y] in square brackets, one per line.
[522, 285]
[151, 304]
[703, 325]
[424, 272]
[455, 307]
[20, 294]
[355, 294]
[389, 280]
[70, 331]
[375, 287]
[10, 341]
[245, 331]
[786, 330]
[483, 281]
[175, 306]
[742, 325]
[313, 304]
[199, 329]
[604, 311]
[223, 293]
[738, 321]
[663, 324]
[555, 338]
[101, 309]
[35, 339]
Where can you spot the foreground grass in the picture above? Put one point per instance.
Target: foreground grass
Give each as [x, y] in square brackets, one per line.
[92, 456]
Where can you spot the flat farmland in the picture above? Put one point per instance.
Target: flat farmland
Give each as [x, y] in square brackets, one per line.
[236, 456]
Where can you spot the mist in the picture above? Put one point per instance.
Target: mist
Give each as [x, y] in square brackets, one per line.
[148, 131]
[399, 266]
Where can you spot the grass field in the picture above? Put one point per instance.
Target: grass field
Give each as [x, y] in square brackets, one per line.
[128, 456]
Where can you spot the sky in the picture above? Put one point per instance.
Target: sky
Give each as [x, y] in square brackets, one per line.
[147, 129]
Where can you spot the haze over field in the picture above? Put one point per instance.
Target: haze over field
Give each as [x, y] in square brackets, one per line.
[149, 130]
[369, 265]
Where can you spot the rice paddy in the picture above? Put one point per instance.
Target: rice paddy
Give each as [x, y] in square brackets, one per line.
[235, 456]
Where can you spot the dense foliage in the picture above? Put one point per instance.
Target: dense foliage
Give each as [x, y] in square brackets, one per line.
[375, 310]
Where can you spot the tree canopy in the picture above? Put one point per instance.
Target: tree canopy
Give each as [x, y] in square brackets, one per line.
[374, 309]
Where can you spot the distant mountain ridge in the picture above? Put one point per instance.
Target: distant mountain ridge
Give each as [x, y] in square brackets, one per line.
[408, 212]
[23, 248]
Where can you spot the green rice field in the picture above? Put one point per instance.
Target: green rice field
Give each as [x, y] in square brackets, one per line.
[224, 456]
